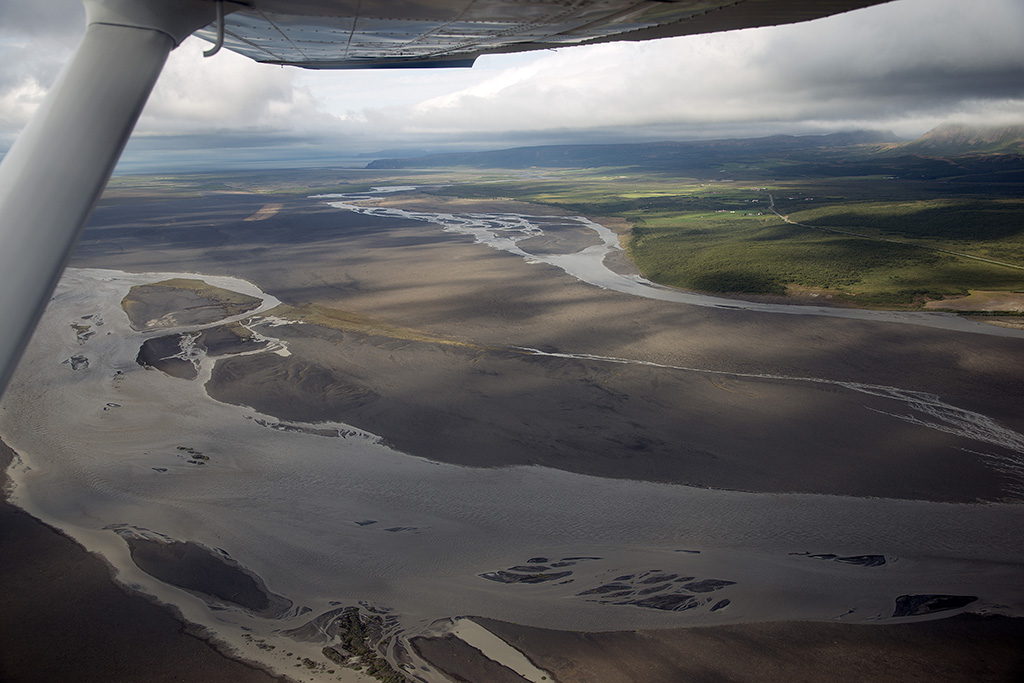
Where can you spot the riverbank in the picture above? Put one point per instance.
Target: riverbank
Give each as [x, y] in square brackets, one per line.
[598, 259]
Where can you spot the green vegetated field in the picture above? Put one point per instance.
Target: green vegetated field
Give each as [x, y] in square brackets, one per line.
[869, 241]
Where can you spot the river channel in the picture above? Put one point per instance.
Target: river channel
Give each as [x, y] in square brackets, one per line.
[509, 231]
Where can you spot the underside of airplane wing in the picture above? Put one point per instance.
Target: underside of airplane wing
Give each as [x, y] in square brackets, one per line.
[347, 34]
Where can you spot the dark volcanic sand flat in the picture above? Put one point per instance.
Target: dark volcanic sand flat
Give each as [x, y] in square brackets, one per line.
[497, 408]
[182, 302]
[197, 569]
[163, 353]
[462, 662]
[64, 619]
[965, 648]
[411, 274]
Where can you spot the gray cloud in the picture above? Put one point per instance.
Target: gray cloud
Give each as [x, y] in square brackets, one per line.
[47, 20]
[887, 64]
[904, 66]
[36, 39]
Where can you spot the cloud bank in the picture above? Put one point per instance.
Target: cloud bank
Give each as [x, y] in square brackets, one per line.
[905, 66]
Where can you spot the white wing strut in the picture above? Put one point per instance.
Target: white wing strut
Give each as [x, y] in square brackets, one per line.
[53, 175]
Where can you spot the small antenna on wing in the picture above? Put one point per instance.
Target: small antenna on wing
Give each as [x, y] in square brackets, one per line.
[220, 31]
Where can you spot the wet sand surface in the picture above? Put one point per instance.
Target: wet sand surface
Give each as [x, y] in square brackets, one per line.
[64, 618]
[462, 662]
[500, 408]
[485, 402]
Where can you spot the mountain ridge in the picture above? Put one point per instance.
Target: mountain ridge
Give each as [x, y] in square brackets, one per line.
[574, 154]
[944, 151]
[958, 138]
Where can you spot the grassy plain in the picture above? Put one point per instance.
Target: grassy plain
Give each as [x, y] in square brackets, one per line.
[868, 241]
[347, 321]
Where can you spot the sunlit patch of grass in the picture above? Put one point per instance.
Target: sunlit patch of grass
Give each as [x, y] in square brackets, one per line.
[207, 291]
[348, 321]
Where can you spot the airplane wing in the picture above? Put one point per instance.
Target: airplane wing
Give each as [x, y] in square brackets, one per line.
[358, 34]
[52, 177]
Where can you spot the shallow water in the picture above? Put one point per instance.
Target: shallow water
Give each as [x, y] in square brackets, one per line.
[346, 520]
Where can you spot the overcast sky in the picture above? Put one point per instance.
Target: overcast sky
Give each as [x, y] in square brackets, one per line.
[904, 67]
